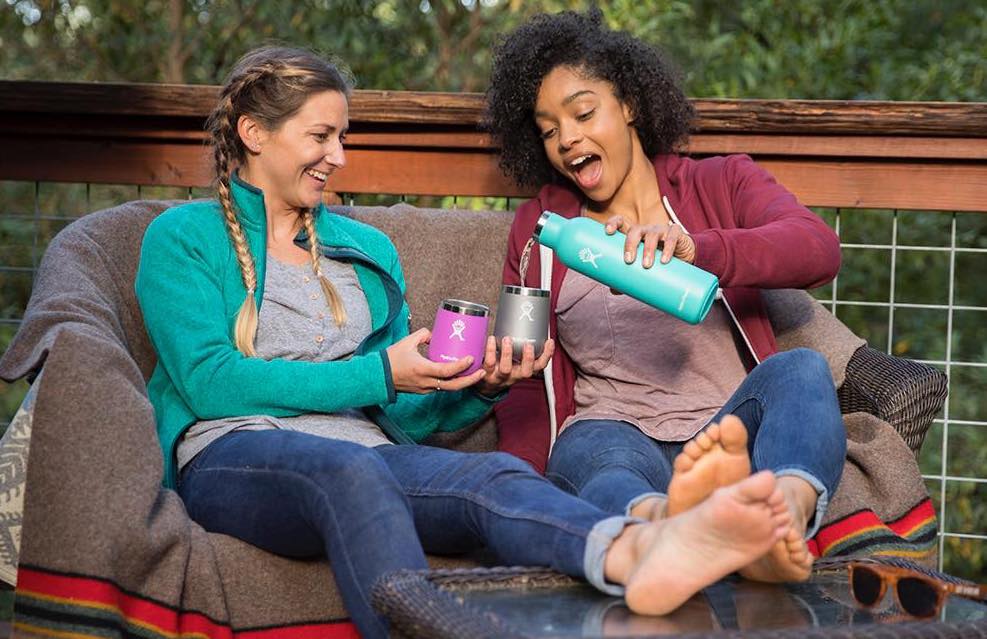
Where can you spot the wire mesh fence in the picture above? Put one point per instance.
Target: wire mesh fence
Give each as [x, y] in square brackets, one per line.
[912, 283]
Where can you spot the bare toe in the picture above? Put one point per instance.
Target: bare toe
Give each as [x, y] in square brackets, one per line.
[683, 462]
[705, 464]
[788, 560]
[733, 434]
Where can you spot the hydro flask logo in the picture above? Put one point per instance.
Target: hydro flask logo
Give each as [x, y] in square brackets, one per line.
[457, 330]
[526, 309]
[586, 255]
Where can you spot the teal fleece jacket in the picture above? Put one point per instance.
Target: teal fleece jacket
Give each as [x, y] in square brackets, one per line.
[190, 289]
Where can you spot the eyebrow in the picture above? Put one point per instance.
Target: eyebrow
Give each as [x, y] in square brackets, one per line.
[330, 127]
[576, 95]
[567, 100]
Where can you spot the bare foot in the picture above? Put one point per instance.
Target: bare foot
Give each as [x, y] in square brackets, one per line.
[789, 559]
[662, 564]
[652, 508]
[715, 457]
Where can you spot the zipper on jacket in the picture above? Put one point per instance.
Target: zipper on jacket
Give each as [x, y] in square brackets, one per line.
[392, 291]
[390, 287]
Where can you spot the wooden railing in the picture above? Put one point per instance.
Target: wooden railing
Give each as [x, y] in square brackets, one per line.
[842, 154]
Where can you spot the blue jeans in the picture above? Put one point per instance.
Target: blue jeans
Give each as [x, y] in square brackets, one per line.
[300, 495]
[788, 404]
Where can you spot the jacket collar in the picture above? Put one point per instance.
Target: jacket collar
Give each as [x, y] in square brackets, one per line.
[249, 201]
[250, 207]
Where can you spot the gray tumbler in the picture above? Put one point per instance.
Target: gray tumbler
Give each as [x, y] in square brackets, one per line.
[522, 315]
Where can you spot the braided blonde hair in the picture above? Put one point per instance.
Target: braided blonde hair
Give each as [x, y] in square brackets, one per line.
[270, 85]
[330, 292]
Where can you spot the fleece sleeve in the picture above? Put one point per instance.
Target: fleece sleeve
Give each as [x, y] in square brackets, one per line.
[767, 239]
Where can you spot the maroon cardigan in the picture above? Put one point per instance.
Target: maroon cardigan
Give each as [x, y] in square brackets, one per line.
[749, 231]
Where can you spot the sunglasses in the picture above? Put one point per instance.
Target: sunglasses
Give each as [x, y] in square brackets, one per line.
[917, 594]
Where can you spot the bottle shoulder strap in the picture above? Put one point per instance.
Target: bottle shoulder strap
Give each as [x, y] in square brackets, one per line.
[546, 257]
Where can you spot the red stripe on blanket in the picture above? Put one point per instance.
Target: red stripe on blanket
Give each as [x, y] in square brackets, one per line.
[913, 519]
[104, 595]
[867, 521]
[98, 594]
[340, 630]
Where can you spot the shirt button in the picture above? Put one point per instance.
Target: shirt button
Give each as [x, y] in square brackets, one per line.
[314, 296]
[306, 279]
[322, 315]
[319, 339]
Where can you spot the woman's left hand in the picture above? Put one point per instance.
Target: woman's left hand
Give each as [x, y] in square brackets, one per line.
[502, 371]
[676, 242]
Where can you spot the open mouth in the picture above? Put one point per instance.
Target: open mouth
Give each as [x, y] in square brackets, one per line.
[586, 169]
[318, 175]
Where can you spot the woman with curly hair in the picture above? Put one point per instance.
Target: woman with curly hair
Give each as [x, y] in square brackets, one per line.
[645, 414]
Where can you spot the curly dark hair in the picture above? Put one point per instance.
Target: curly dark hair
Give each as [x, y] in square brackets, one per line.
[641, 77]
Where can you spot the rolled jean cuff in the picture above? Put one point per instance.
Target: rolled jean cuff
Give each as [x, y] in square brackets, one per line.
[598, 542]
[822, 499]
[637, 500]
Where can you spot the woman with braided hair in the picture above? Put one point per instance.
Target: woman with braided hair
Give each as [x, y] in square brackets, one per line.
[294, 429]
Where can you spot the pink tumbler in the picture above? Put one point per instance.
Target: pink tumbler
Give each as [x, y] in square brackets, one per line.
[460, 329]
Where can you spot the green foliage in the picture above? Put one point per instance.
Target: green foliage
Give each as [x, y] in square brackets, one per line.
[845, 49]
[437, 45]
[834, 49]
[967, 509]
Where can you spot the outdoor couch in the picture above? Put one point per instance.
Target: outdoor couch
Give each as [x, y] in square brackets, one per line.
[105, 549]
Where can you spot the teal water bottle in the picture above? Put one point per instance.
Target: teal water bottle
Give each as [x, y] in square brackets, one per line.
[678, 288]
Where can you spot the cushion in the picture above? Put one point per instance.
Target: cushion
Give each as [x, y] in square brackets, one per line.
[445, 253]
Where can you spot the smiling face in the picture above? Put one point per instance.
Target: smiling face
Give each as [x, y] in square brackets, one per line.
[292, 162]
[587, 131]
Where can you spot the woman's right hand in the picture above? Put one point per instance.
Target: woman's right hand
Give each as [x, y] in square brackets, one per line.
[413, 373]
[675, 242]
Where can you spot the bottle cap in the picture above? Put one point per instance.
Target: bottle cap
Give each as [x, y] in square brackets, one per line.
[540, 224]
[524, 290]
[465, 308]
